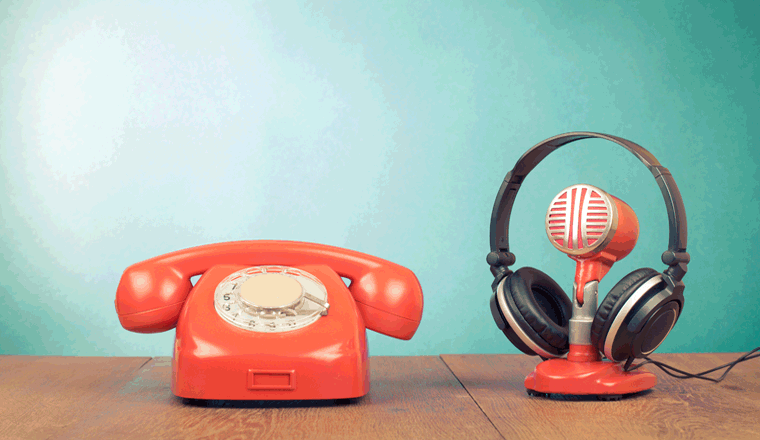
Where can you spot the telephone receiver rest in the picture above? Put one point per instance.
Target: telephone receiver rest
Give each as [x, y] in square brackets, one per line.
[151, 293]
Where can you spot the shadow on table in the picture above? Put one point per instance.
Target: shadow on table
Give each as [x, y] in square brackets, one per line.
[268, 403]
[591, 398]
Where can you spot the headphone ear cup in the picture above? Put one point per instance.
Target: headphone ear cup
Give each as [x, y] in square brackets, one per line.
[614, 300]
[506, 328]
[535, 310]
[616, 330]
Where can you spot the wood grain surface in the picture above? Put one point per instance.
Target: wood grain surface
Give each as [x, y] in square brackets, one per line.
[673, 409]
[454, 396]
[41, 397]
[410, 397]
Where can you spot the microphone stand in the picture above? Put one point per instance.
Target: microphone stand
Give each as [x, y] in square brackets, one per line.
[583, 372]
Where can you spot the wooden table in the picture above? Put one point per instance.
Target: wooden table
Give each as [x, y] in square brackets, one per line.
[451, 396]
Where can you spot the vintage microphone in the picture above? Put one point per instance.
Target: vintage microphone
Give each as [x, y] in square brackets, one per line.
[595, 229]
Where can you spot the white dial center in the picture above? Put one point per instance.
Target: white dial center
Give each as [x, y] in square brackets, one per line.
[271, 291]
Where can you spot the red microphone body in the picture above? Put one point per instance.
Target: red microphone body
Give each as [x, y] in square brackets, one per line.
[595, 229]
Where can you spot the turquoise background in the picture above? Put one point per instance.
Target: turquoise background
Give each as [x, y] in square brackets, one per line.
[132, 130]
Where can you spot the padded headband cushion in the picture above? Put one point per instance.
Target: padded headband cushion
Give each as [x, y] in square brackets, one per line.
[615, 301]
[543, 305]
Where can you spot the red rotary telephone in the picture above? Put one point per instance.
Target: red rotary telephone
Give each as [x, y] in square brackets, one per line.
[269, 320]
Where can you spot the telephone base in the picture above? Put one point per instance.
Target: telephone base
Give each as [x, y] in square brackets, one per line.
[601, 378]
[214, 360]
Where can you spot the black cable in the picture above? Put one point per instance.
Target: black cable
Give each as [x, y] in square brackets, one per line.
[685, 375]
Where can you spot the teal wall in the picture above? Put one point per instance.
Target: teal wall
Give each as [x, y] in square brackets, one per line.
[131, 130]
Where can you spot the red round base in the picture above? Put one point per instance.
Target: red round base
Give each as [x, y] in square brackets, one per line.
[560, 376]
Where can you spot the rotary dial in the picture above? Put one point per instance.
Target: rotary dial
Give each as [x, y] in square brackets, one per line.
[271, 299]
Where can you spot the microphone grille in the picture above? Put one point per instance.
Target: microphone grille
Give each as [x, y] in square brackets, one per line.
[581, 219]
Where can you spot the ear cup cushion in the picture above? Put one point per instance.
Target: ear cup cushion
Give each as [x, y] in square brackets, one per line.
[542, 304]
[509, 332]
[614, 301]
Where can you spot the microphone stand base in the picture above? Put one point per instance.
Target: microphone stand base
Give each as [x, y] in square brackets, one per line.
[605, 379]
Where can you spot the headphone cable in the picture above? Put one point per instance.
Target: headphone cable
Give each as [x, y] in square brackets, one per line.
[680, 374]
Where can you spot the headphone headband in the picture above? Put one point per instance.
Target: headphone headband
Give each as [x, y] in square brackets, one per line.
[505, 199]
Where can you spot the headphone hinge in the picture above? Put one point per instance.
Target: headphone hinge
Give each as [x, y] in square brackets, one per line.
[500, 262]
[674, 274]
[670, 258]
[499, 273]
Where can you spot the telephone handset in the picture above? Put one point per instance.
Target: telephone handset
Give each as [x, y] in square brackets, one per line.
[274, 312]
